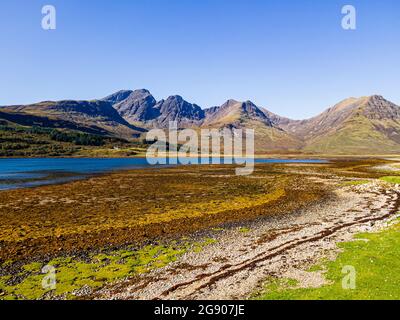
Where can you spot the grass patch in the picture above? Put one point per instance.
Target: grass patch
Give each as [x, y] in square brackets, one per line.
[244, 230]
[376, 262]
[198, 246]
[391, 179]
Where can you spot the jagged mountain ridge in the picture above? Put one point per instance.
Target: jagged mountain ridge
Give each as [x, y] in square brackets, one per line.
[141, 109]
[140, 106]
[366, 125]
[356, 125]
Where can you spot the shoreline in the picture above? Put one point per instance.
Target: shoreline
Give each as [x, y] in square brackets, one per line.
[62, 175]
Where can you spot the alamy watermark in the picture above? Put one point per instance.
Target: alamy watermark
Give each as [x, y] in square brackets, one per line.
[49, 281]
[49, 20]
[202, 146]
[349, 280]
[349, 21]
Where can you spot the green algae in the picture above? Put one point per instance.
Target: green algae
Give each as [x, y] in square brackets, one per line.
[244, 230]
[72, 274]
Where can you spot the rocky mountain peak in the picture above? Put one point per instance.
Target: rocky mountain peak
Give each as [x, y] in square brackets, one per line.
[175, 108]
[118, 96]
[233, 112]
[378, 108]
[138, 106]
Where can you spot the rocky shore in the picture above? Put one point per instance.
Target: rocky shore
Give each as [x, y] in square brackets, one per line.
[286, 246]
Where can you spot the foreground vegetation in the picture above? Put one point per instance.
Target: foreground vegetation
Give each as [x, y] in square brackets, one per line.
[392, 179]
[76, 276]
[376, 259]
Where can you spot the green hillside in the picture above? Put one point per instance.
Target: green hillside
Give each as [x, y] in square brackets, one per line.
[358, 135]
[20, 141]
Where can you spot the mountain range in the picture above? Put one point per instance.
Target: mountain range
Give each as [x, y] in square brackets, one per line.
[354, 126]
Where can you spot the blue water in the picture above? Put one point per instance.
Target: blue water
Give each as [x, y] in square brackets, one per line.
[27, 172]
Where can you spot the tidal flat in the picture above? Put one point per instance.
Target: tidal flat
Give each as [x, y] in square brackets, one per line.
[117, 226]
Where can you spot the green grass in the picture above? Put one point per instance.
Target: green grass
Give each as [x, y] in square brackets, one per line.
[391, 179]
[377, 265]
[217, 229]
[357, 135]
[73, 274]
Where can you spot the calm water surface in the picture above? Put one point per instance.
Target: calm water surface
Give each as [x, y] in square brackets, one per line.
[25, 173]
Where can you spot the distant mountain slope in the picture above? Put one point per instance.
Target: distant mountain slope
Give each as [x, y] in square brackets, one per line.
[118, 96]
[268, 137]
[98, 117]
[234, 113]
[175, 108]
[367, 125]
[140, 108]
[322, 123]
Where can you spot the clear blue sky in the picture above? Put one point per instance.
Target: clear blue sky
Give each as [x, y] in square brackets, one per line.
[291, 56]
